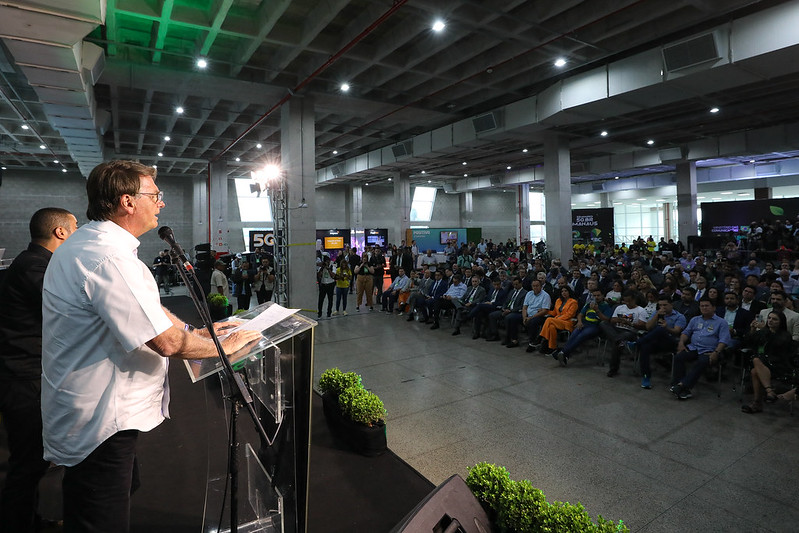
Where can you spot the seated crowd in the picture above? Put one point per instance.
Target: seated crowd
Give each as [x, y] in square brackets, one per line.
[702, 309]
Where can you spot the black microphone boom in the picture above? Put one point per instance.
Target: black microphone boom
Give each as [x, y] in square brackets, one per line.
[165, 232]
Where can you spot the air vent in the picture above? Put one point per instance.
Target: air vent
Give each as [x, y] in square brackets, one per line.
[484, 123]
[690, 53]
[449, 188]
[338, 169]
[402, 149]
[495, 180]
[597, 187]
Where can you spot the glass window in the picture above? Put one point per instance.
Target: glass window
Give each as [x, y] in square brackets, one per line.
[252, 206]
[422, 204]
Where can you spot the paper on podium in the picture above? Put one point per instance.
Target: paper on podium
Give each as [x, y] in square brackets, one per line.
[266, 319]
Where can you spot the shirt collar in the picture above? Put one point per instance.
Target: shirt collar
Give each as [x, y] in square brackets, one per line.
[124, 237]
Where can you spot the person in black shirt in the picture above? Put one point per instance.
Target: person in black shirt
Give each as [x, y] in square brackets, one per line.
[21, 367]
[162, 263]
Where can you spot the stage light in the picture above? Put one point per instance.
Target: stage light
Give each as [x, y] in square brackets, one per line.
[560, 62]
[179, 110]
[167, 138]
[439, 25]
[202, 63]
[345, 87]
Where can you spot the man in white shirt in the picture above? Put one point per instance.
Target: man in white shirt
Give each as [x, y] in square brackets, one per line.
[447, 301]
[105, 341]
[428, 261]
[389, 297]
[628, 320]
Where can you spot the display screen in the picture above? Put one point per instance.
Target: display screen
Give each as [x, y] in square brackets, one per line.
[447, 236]
[334, 243]
[375, 240]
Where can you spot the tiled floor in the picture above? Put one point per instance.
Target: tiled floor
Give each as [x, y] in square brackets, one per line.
[627, 453]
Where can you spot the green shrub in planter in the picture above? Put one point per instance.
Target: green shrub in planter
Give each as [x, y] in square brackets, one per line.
[218, 300]
[361, 406]
[518, 507]
[335, 381]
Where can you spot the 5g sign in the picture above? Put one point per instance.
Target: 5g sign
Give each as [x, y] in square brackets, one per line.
[263, 239]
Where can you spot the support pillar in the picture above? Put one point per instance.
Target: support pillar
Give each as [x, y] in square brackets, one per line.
[466, 214]
[557, 193]
[199, 212]
[220, 229]
[402, 207]
[297, 154]
[686, 201]
[354, 206]
[523, 211]
[604, 200]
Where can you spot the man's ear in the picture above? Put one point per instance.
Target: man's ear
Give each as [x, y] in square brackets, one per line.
[60, 233]
[127, 202]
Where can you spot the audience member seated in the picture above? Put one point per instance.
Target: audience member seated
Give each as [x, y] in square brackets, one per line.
[474, 296]
[614, 295]
[513, 305]
[397, 287]
[586, 328]
[737, 318]
[534, 311]
[749, 303]
[663, 334]
[447, 301]
[495, 301]
[687, 305]
[437, 290]
[561, 318]
[628, 320]
[420, 292]
[702, 341]
[778, 302]
[774, 350]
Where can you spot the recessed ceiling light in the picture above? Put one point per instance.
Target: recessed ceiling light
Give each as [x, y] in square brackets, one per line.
[238, 159]
[751, 160]
[635, 204]
[25, 127]
[714, 109]
[63, 170]
[641, 199]
[389, 179]
[727, 192]
[345, 87]
[715, 198]
[439, 25]
[42, 146]
[55, 161]
[465, 175]
[559, 62]
[160, 154]
[202, 63]
[155, 166]
[615, 177]
[335, 152]
[604, 133]
[179, 110]
[700, 197]
[507, 167]
[616, 203]
[167, 138]
[524, 151]
[650, 142]
[573, 205]
[464, 163]
[2, 168]
[259, 145]
[743, 194]
[423, 172]
[366, 184]
[429, 181]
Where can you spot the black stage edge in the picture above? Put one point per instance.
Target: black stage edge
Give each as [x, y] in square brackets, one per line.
[348, 492]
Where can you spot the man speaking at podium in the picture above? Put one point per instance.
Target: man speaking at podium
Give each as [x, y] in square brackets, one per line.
[105, 341]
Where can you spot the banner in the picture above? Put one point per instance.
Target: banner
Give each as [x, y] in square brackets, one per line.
[726, 217]
[592, 225]
[264, 239]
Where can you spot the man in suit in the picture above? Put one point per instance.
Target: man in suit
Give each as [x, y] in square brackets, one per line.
[513, 305]
[449, 299]
[437, 290]
[494, 301]
[738, 318]
[474, 296]
[749, 302]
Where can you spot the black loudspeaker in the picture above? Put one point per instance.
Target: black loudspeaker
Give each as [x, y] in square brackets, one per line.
[205, 247]
[450, 508]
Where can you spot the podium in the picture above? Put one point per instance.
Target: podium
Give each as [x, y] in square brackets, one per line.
[273, 478]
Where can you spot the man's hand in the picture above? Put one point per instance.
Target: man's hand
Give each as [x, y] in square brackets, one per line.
[238, 340]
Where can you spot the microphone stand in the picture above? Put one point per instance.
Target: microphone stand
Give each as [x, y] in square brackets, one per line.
[240, 394]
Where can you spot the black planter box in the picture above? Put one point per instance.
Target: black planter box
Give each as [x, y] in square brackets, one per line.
[366, 440]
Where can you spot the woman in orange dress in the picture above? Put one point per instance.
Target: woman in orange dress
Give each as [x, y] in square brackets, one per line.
[561, 318]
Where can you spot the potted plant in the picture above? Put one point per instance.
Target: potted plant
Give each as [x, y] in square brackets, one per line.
[218, 306]
[518, 507]
[354, 414]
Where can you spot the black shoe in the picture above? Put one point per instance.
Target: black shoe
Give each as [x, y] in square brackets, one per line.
[530, 348]
[546, 350]
[493, 338]
[435, 325]
[563, 359]
[555, 354]
[512, 344]
[410, 318]
[456, 332]
[613, 372]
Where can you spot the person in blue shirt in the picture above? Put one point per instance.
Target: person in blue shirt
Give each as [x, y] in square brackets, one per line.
[663, 334]
[447, 301]
[587, 327]
[702, 341]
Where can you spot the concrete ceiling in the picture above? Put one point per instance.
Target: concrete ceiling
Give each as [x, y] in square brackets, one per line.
[407, 83]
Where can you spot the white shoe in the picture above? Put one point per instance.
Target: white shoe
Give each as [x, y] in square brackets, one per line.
[344, 313]
[400, 313]
[334, 313]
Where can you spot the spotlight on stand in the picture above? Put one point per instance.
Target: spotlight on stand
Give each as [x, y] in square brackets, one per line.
[264, 177]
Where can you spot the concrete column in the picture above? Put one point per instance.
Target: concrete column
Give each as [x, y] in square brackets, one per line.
[402, 207]
[297, 154]
[466, 212]
[220, 230]
[557, 192]
[604, 200]
[686, 201]
[763, 193]
[523, 212]
[199, 211]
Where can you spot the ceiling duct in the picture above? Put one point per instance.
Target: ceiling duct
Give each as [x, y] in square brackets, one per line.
[403, 149]
[495, 181]
[691, 53]
[449, 188]
[45, 39]
[484, 123]
[338, 169]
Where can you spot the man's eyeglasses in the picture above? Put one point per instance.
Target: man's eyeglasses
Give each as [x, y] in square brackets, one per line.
[159, 196]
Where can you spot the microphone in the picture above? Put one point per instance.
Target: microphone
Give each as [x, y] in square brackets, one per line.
[165, 232]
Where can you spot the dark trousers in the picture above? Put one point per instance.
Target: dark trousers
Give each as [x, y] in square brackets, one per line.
[533, 327]
[656, 340]
[388, 299]
[263, 296]
[512, 323]
[243, 301]
[441, 303]
[326, 290]
[97, 490]
[689, 380]
[479, 315]
[614, 336]
[341, 297]
[20, 405]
